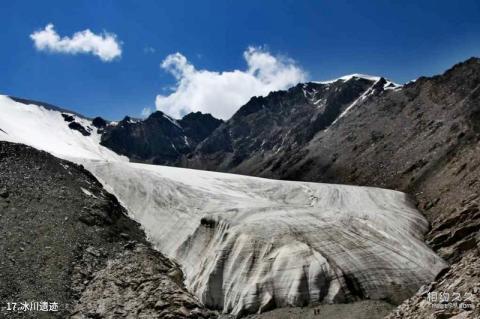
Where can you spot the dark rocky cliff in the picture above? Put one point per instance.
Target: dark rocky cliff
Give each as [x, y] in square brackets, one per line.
[158, 139]
[267, 127]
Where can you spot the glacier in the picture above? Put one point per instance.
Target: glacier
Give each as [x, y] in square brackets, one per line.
[250, 244]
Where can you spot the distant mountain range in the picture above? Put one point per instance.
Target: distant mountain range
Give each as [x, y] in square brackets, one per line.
[159, 139]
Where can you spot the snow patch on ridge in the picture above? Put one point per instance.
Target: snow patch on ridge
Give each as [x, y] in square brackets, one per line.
[388, 85]
[46, 129]
[172, 120]
[362, 97]
[351, 76]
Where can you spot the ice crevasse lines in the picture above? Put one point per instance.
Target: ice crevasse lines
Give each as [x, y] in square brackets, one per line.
[249, 244]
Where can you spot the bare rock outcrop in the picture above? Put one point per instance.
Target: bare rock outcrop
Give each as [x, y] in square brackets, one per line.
[137, 282]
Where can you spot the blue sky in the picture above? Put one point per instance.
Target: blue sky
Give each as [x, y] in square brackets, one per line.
[397, 39]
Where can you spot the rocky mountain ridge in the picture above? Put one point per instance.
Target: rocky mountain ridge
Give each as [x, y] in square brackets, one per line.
[267, 128]
[158, 139]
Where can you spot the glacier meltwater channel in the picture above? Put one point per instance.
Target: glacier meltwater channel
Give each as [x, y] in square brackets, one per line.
[248, 244]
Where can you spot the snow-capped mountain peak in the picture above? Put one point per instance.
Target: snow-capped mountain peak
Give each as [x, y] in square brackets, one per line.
[388, 85]
[351, 76]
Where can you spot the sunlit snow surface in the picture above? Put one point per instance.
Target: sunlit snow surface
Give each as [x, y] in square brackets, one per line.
[248, 244]
[46, 130]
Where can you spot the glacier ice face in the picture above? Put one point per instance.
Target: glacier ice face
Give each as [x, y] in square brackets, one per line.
[248, 244]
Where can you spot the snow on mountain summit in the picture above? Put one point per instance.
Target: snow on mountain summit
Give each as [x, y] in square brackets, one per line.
[351, 76]
[46, 129]
[388, 85]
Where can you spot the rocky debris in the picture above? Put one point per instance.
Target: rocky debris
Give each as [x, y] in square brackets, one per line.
[49, 253]
[455, 294]
[136, 283]
[367, 309]
[4, 193]
[457, 233]
[158, 139]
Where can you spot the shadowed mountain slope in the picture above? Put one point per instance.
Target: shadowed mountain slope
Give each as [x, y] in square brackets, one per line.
[159, 139]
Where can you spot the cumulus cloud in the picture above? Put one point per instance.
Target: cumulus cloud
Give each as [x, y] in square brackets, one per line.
[104, 45]
[222, 93]
[146, 111]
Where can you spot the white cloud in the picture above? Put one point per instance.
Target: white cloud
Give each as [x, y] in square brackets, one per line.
[146, 112]
[222, 93]
[105, 45]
